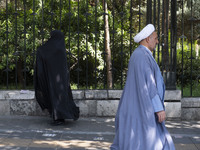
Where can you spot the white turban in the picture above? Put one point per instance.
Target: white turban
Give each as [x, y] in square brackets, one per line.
[144, 33]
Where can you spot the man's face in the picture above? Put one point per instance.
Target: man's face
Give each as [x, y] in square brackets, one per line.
[153, 41]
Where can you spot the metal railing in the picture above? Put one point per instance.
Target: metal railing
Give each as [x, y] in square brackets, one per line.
[26, 25]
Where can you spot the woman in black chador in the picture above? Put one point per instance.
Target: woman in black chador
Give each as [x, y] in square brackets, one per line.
[52, 86]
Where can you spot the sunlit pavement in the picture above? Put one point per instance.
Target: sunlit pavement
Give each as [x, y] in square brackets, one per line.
[36, 133]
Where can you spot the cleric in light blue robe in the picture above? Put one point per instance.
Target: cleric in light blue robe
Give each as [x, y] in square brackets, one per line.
[140, 119]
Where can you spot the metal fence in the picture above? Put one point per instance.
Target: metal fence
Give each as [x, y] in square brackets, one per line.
[99, 40]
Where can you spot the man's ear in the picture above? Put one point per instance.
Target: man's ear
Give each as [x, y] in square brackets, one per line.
[147, 39]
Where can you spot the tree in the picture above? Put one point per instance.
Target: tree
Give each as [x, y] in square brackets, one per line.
[107, 48]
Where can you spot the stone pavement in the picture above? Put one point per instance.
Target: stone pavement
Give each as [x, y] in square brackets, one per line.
[36, 133]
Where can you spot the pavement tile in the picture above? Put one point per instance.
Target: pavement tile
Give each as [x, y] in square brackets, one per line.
[195, 140]
[43, 143]
[66, 136]
[3, 135]
[90, 137]
[185, 147]
[73, 149]
[84, 144]
[70, 149]
[106, 138]
[13, 148]
[36, 133]
[22, 134]
[182, 140]
[15, 142]
[41, 148]
[48, 136]
[198, 146]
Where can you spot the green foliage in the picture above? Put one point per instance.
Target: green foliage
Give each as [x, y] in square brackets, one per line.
[187, 63]
[189, 90]
[186, 19]
[86, 50]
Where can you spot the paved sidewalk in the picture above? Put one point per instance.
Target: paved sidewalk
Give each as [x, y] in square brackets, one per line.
[36, 133]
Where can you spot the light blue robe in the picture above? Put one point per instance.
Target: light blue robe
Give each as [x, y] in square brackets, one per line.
[136, 124]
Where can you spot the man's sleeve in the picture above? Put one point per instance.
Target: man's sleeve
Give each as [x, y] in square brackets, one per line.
[157, 104]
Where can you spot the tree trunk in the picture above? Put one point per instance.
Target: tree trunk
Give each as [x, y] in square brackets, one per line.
[108, 50]
[20, 73]
[165, 34]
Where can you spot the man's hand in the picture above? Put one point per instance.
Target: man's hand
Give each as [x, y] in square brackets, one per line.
[161, 116]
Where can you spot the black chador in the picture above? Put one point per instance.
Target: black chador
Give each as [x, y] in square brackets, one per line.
[52, 85]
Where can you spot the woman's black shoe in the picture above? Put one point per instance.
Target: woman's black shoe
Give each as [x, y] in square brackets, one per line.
[58, 122]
